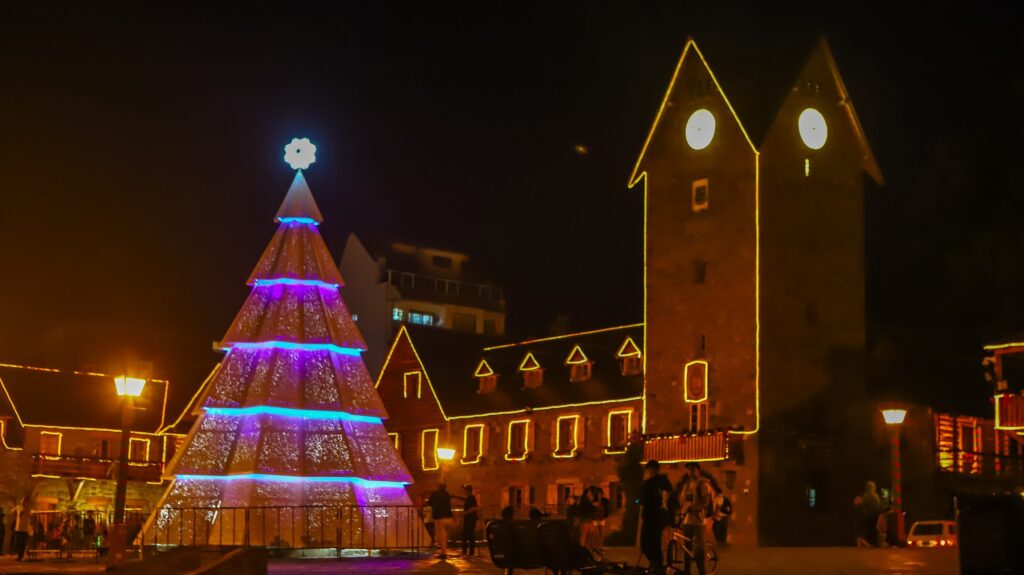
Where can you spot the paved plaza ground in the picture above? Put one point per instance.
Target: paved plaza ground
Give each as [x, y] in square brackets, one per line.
[770, 561]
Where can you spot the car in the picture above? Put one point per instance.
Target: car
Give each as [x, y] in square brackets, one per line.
[932, 534]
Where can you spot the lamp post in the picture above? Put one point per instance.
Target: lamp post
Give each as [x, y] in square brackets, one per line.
[128, 388]
[894, 419]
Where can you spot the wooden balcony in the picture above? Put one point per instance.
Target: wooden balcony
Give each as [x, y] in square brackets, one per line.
[92, 468]
[713, 446]
[1010, 411]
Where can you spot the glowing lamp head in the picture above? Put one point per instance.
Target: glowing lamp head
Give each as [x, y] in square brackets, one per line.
[300, 153]
[445, 453]
[700, 129]
[129, 386]
[813, 129]
[894, 416]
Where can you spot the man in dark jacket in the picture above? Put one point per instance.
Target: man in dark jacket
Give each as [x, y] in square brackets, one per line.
[469, 517]
[653, 514]
[440, 503]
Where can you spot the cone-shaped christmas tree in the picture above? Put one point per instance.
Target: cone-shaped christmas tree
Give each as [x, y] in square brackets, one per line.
[291, 418]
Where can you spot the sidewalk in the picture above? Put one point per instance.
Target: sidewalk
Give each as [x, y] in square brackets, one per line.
[776, 561]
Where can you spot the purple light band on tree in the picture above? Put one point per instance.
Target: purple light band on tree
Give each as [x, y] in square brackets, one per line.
[289, 412]
[307, 221]
[371, 483]
[295, 282]
[295, 346]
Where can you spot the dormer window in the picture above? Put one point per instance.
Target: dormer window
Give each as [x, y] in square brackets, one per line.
[485, 376]
[412, 384]
[579, 366]
[630, 359]
[531, 371]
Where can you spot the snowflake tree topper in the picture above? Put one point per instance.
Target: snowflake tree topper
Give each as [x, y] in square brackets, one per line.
[300, 153]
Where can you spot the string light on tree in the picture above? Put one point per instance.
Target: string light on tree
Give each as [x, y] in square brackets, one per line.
[300, 153]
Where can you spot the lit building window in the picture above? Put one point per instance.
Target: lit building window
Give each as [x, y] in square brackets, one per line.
[412, 383]
[618, 430]
[50, 443]
[812, 498]
[630, 362]
[699, 417]
[421, 318]
[397, 314]
[579, 365]
[566, 436]
[695, 378]
[428, 449]
[487, 378]
[699, 195]
[531, 371]
[518, 446]
[138, 449]
[472, 444]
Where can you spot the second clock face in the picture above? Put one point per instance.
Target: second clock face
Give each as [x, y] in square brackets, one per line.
[813, 129]
[700, 129]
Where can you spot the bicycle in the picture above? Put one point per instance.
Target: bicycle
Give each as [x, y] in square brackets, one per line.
[681, 541]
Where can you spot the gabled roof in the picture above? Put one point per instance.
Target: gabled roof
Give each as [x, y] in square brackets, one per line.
[452, 361]
[757, 75]
[55, 398]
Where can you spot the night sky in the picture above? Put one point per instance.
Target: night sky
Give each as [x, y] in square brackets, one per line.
[141, 164]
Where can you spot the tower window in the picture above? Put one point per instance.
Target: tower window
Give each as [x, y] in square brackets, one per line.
[699, 195]
[699, 417]
[700, 271]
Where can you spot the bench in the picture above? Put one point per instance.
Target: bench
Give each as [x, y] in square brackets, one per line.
[527, 544]
[43, 553]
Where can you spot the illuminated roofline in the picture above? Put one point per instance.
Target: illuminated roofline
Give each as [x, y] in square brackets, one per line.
[545, 408]
[371, 483]
[637, 172]
[292, 345]
[289, 412]
[191, 403]
[294, 282]
[305, 221]
[403, 332]
[568, 335]
[1001, 346]
[73, 428]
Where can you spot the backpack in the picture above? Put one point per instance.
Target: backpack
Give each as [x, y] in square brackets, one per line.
[725, 508]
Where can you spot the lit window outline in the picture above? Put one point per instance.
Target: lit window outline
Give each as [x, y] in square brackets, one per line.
[608, 447]
[575, 436]
[534, 364]
[686, 381]
[136, 462]
[628, 343]
[433, 450]
[526, 440]
[582, 356]
[480, 446]
[695, 206]
[394, 439]
[60, 442]
[481, 367]
[419, 383]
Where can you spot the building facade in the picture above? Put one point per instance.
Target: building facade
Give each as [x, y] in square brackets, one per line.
[410, 284]
[60, 437]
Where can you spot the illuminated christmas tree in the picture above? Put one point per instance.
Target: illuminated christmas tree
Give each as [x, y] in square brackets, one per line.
[290, 419]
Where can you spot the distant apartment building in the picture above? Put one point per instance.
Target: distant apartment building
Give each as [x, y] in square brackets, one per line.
[408, 284]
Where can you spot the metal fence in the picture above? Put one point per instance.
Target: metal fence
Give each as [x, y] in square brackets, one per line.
[66, 534]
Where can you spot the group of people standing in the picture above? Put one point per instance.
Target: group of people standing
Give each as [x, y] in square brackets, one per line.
[439, 518]
[586, 514]
[693, 504]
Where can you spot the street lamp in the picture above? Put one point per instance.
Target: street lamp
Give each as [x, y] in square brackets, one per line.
[444, 455]
[128, 388]
[894, 419]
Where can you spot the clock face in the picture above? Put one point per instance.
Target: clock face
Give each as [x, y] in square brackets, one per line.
[700, 129]
[813, 129]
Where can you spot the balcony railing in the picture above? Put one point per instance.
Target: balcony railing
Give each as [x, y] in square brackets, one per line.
[93, 467]
[713, 446]
[1010, 411]
[445, 287]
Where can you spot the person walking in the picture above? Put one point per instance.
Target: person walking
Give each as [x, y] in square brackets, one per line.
[585, 513]
[20, 538]
[653, 514]
[696, 497]
[723, 511]
[469, 518]
[440, 503]
[869, 505]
